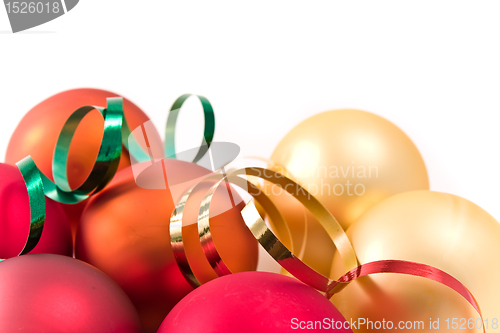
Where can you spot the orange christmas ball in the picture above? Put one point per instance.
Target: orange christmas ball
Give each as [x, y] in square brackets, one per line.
[37, 134]
[124, 231]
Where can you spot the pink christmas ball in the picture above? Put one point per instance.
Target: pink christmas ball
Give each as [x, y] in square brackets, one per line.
[52, 293]
[253, 302]
[15, 219]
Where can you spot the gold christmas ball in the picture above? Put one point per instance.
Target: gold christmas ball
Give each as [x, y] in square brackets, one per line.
[349, 160]
[432, 228]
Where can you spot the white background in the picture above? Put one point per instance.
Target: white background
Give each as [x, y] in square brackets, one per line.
[431, 67]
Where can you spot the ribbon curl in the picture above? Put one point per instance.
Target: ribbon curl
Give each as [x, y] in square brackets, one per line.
[116, 134]
[34, 184]
[279, 252]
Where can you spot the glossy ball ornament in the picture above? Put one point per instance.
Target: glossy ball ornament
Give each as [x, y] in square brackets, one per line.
[52, 293]
[124, 231]
[15, 219]
[253, 302]
[437, 229]
[37, 134]
[349, 160]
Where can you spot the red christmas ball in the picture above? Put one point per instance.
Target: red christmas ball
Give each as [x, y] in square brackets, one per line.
[37, 134]
[253, 302]
[15, 219]
[51, 293]
[124, 231]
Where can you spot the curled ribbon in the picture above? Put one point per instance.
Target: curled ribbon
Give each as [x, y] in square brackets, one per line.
[34, 184]
[279, 252]
[116, 134]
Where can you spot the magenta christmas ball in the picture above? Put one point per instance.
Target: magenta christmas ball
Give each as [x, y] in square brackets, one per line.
[15, 219]
[253, 302]
[52, 293]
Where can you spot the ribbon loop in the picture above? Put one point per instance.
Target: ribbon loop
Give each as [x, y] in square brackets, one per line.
[208, 132]
[34, 185]
[259, 229]
[279, 252]
[107, 159]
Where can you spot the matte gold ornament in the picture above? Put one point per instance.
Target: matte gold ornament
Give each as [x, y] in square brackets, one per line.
[437, 229]
[349, 160]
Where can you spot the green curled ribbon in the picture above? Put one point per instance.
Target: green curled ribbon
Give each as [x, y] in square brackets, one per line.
[107, 159]
[33, 180]
[208, 132]
[116, 134]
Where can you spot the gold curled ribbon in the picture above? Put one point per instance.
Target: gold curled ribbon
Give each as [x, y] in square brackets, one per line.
[279, 252]
[259, 229]
[117, 131]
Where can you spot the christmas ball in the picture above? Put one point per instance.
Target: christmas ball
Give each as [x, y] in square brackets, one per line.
[438, 229]
[15, 219]
[349, 160]
[52, 293]
[37, 134]
[124, 231]
[253, 302]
